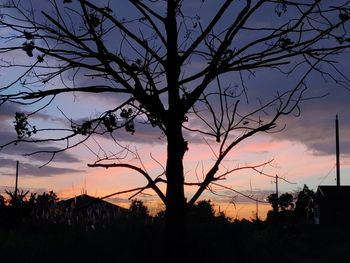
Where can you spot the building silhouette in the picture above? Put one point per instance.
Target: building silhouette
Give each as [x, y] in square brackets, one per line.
[332, 201]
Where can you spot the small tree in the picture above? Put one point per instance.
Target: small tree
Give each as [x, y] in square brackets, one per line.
[138, 209]
[2, 201]
[305, 202]
[273, 200]
[202, 211]
[282, 208]
[285, 201]
[18, 199]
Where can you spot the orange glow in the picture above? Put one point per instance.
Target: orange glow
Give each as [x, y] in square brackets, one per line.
[243, 210]
[239, 210]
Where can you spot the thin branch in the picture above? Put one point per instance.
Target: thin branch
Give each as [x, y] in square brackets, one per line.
[151, 182]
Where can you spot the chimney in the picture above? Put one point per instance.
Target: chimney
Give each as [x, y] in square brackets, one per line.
[337, 149]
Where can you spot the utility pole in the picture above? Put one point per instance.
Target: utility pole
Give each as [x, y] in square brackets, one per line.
[16, 184]
[337, 149]
[276, 208]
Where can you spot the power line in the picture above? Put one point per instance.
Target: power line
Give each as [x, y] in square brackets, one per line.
[330, 171]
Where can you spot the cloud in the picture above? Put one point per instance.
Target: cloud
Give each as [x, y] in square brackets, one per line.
[144, 134]
[7, 111]
[7, 134]
[33, 170]
[315, 128]
[23, 148]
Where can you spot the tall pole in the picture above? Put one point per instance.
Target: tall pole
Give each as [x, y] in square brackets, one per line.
[16, 184]
[337, 149]
[277, 194]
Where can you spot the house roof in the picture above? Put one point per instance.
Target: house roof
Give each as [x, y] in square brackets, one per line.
[333, 191]
[85, 201]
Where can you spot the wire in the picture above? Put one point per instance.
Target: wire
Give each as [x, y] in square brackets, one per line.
[330, 171]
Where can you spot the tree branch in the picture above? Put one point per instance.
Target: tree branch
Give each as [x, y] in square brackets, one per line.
[151, 182]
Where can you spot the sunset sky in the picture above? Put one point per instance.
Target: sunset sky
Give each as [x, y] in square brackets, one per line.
[303, 152]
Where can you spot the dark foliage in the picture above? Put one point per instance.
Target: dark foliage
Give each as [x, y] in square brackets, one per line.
[138, 209]
[289, 210]
[209, 238]
[305, 203]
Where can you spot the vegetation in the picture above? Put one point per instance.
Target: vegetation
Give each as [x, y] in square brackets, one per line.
[289, 209]
[211, 238]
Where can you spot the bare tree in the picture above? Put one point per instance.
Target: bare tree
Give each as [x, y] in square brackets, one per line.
[171, 68]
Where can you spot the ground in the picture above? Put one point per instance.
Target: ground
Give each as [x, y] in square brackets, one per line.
[240, 241]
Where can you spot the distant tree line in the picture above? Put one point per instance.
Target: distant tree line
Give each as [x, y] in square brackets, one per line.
[287, 208]
[26, 207]
[23, 207]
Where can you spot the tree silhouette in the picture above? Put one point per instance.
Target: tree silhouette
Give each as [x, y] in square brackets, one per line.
[182, 67]
[274, 201]
[283, 202]
[138, 209]
[2, 202]
[305, 203]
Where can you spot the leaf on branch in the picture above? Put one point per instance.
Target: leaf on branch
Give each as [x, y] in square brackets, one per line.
[126, 113]
[40, 58]
[281, 8]
[28, 47]
[284, 43]
[28, 35]
[84, 129]
[344, 16]
[110, 122]
[228, 54]
[129, 127]
[129, 124]
[153, 120]
[94, 19]
[22, 126]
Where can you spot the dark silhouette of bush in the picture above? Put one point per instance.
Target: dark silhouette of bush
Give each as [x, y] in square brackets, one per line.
[273, 200]
[282, 208]
[203, 212]
[23, 207]
[287, 209]
[138, 209]
[285, 202]
[2, 202]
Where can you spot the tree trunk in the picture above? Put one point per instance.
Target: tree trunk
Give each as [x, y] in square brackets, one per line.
[175, 197]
